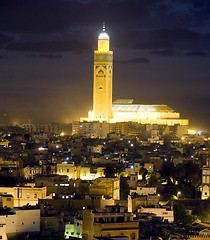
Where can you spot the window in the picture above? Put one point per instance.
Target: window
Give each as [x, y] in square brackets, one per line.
[27, 195]
[33, 222]
[8, 199]
[1, 237]
[165, 213]
[35, 195]
[61, 170]
[133, 236]
[67, 170]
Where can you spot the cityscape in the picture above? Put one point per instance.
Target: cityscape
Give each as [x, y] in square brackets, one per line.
[132, 163]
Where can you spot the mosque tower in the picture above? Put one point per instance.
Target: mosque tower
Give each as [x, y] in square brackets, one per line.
[122, 110]
[102, 79]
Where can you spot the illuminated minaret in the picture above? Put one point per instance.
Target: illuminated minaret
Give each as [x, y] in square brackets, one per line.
[102, 82]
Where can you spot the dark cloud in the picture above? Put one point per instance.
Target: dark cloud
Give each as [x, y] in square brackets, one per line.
[4, 38]
[197, 53]
[177, 34]
[34, 15]
[55, 46]
[47, 55]
[165, 52]
[134, 60]
[153, 44]
[38, 16]
[3, 57]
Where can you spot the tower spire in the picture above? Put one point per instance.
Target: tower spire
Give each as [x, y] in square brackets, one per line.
[104, 27]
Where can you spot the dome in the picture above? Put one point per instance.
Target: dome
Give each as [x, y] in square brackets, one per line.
[103, 35]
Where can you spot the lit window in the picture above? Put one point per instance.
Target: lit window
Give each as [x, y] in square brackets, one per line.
[61, 170]
[35, 195]
[27, 195]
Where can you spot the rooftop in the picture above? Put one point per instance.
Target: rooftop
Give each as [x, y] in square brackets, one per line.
[138, 106]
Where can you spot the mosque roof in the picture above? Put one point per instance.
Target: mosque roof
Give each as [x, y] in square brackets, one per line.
[135, 105]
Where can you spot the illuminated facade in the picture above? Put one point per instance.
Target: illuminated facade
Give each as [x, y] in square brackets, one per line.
[102, 83]
[25, 195]
[111, 221]
[122, 110]
[79, 172]
[206, 180]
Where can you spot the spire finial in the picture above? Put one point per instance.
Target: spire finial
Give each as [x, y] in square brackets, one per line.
[103, 26]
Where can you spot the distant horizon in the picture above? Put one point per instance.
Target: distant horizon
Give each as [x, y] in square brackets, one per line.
[193, 123]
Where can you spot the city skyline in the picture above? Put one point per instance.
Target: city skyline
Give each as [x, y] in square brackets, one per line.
[161, 55]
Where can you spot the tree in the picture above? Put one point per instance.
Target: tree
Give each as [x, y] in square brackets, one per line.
[180, 214]
[154, 180]
[194, 175]
[110, 170]
[143, 171]
[178, 173]
[202, 212]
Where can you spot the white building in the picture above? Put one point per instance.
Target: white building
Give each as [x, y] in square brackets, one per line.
[18, 222]
[167, 215]
[90, 129]
[206, 180]
[144, 190]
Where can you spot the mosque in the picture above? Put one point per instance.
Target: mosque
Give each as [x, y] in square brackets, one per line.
[122, 110]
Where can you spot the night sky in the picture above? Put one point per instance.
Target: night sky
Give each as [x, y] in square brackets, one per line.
[161, 56]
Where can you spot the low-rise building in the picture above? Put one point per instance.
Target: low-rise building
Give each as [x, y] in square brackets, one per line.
[90, 129]
[30, 171]
[135, 201]
[107, 187]
[19, 222]
[167, 215]
[144, 190]
[25, 195]
[112, 221]
[206, 180]
[6, 201]
[80, 172]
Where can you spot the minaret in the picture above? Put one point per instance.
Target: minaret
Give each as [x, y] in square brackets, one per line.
[102, 82]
